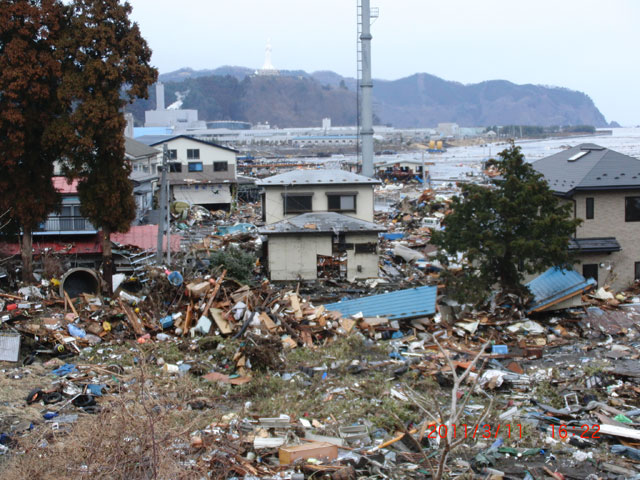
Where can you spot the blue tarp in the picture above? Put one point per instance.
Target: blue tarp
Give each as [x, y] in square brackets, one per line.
[410, 303]
[392, 236]
[556, 284]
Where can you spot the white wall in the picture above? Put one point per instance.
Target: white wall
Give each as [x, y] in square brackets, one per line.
[275, 206]
[367, 261]
[296, 256]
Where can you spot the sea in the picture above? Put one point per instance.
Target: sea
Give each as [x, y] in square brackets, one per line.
[466, 163]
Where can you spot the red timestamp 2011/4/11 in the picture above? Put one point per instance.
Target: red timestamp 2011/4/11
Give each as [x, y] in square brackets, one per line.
[473, 431]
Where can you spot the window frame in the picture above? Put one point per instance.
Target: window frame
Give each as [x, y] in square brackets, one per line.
[627, 213]
[192, 165]
[589, 213]
[339, 195]
[172, 154]
[193, 154]
[174, 167]
[287, 196]
[216, 164]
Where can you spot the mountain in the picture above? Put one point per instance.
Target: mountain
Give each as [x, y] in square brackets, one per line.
[297, 99]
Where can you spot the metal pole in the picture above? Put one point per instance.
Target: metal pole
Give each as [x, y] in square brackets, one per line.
[366, 86]
[168, 207]
[424, 173]
[162, 203]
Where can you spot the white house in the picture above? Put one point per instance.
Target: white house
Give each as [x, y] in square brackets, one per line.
[319, 224]
[200, 172]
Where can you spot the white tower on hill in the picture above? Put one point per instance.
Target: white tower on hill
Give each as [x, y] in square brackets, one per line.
[268, 68]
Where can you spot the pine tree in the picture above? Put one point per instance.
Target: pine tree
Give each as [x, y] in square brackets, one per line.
[108, 67]
[30, 73]
[500, 232]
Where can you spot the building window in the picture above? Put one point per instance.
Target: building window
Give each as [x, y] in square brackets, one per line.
[366, 247]
[220, 166]
[590, 270]
[195, 166]
[193, 154]
[632, 209]
[297, 203]
[175, 167]
[589, 208]
[341, 202]
[173, 154]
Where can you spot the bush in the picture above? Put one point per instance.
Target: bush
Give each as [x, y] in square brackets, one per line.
[238, 263]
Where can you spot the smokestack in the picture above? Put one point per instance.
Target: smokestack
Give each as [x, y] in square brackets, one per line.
[159, 96]
[366, 86]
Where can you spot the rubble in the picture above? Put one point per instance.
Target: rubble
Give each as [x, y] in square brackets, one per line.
[379, 378]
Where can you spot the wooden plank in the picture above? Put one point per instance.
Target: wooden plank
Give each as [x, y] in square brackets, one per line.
[73, 309]
[221, 322]
[134, 321]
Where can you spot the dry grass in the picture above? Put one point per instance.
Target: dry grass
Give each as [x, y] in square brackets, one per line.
[139, 434]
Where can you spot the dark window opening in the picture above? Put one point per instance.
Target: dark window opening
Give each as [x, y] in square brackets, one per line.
[195, 166]
[297, 203]
[590, 208]
[590, 270]
[175, 167]
[636, 267]
[263, 202]
[193, 154]
[366, 247]
[220, 166]
[173, 154]
[632, 209]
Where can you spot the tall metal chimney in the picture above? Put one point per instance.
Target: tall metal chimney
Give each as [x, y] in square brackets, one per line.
[366, 86]
[159, 96]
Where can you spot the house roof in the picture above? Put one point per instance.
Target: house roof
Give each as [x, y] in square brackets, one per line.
[153, 140]
[595, 245]
[589, 167]
[556, 285]
[317, 177]
[320, 222]
[401, 304]
[137, 149]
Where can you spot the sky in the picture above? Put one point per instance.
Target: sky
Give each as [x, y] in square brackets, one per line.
[585, 45]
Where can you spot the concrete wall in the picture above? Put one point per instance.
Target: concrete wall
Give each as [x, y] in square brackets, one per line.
[319, 203]
[295, 256]
[616, 269]
[367, 261]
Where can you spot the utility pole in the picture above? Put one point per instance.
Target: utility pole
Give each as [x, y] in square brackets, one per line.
[366, 87]
[162, 203]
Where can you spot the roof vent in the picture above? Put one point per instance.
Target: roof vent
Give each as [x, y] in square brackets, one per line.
[578, 155]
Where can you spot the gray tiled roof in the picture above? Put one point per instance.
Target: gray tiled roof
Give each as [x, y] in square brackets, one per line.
[593, 168]
[320, 222]
[154, 140]
[594, 244]
[138, 149]
[317, 177]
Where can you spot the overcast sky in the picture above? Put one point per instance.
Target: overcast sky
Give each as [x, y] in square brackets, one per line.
[586, 45]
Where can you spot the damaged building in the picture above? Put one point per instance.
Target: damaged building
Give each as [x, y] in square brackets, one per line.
[603, 187]
[200, 172]
[319, 224]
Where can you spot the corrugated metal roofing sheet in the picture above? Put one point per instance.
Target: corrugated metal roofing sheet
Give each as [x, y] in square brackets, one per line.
[555, 285]
[410, 303]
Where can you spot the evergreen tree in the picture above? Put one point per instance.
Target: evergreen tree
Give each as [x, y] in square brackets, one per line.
[500, 232]
[108, 67]
[30, 72]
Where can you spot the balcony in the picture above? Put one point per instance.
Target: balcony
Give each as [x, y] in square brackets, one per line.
[65, 225]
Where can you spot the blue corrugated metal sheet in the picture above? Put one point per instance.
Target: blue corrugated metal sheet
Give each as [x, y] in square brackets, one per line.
[414, 302]
[556, 284]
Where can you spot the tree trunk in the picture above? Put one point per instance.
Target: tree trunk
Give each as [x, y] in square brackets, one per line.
[107, 260]
[26, 251]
